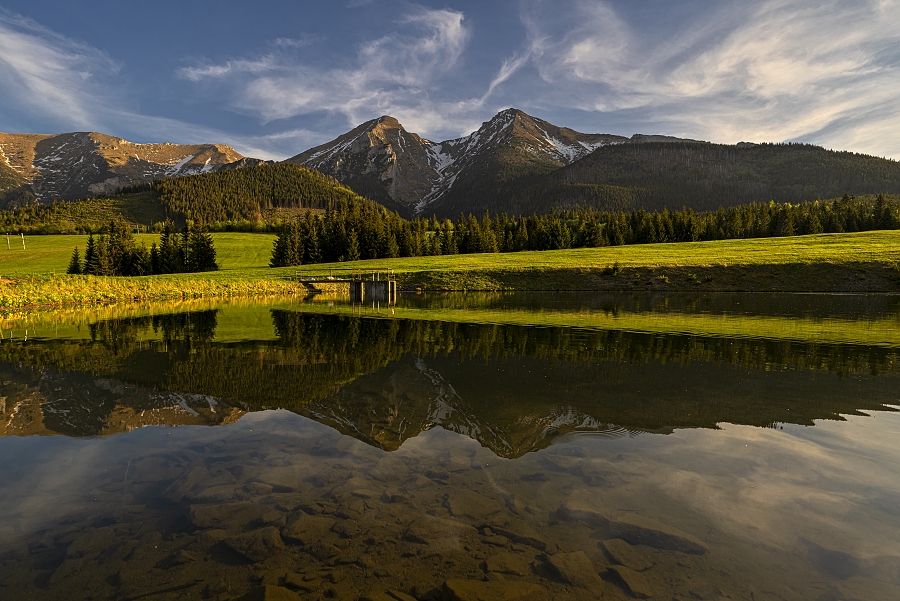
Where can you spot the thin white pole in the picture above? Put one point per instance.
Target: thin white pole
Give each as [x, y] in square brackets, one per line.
[23, 240]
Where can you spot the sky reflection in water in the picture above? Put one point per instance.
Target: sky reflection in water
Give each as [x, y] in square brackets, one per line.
[443, 456]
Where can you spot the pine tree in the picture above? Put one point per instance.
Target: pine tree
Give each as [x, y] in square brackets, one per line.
[75, 267]
[91, 260]
[201, 251]
[353, 246]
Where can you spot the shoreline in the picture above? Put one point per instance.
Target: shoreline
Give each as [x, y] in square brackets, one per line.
[30, 293]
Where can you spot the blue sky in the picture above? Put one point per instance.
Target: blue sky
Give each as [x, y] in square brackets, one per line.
[275, 78]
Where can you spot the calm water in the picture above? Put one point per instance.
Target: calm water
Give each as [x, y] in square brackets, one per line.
[672, 447]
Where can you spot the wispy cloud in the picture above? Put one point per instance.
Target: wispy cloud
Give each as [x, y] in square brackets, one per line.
[47, 74]
[394, 73]
[69, 85]
[773, 70]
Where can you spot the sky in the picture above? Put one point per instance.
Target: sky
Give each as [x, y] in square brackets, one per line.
[275, 78]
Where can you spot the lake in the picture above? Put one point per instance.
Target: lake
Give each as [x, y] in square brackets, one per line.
[454, 446]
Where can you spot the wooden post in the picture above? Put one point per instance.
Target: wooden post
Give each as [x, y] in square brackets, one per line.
[23, 240]
[7, 241]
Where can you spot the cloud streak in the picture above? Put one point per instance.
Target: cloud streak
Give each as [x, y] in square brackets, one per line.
[69, 85]
[395, 74]
[775, 70]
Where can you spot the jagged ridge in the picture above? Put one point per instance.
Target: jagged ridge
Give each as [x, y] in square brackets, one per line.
[77, 165]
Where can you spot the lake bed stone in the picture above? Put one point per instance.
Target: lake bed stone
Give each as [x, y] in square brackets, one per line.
[270, 593]
[229, 515]
[307, 529]
[477, 590]
[427, 530]
[576, 569]
[639, 530]
[178, 489]
[507, 563]
[469, 504]
[624, 554]
[636, 584]
[257, 545]
[579, 511]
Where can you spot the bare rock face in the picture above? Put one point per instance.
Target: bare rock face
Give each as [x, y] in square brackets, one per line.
[384, 161]
[639, 530]
[77, 165]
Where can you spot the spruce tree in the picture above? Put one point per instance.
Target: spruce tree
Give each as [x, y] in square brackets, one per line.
[75, 267]
[91, 260]
[201, 250]
[353, 246]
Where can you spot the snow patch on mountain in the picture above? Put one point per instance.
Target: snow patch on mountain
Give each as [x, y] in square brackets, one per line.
[177, 166]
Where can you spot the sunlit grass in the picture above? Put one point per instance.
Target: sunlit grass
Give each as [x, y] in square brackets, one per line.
[831, 262]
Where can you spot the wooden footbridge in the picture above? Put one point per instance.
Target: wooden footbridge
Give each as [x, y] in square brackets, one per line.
[364, 287]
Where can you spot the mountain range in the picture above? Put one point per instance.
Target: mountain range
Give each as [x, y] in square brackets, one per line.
[78, 165]
[514, 163]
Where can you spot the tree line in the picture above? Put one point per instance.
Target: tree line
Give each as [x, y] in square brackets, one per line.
[116, 253]
[351, 230]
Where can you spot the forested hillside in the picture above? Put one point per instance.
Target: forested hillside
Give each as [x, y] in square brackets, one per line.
[246, 193]
[704, 177]
[253, 198]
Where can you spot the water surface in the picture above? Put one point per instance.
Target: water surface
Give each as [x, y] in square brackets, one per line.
[685, 446]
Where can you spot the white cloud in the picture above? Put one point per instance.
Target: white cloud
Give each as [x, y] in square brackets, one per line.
[47, 74]
[393, 74]
[69, 85]
[774, 70]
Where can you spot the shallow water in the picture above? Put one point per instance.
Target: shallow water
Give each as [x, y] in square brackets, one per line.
[427, 450]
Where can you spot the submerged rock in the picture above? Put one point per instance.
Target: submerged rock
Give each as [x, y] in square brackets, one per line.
[429, 530]
[475, 590]
[507, 563]
[639, 530]
[468, 504]
[624, 554]
[92, 542]
[307, 529]
[575, 511]
[522, 534]
[270, 593]
[576, 569]
[257, 545]
[232, 515]
[178, 489]
[635, 583]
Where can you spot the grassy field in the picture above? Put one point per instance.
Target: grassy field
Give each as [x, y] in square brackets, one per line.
[863, 262]
[51, 254]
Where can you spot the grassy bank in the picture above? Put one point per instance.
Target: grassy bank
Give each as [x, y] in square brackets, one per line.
[862, 262]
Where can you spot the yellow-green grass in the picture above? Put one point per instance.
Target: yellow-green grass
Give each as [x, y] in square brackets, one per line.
[51, 254]
[862, 262]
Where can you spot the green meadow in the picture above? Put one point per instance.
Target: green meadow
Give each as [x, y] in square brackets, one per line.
[858, 262]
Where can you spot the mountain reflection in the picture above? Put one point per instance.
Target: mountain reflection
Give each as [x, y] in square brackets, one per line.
[511, 388]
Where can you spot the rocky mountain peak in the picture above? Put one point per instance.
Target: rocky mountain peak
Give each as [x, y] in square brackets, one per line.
[80, 164]
[383, 160]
